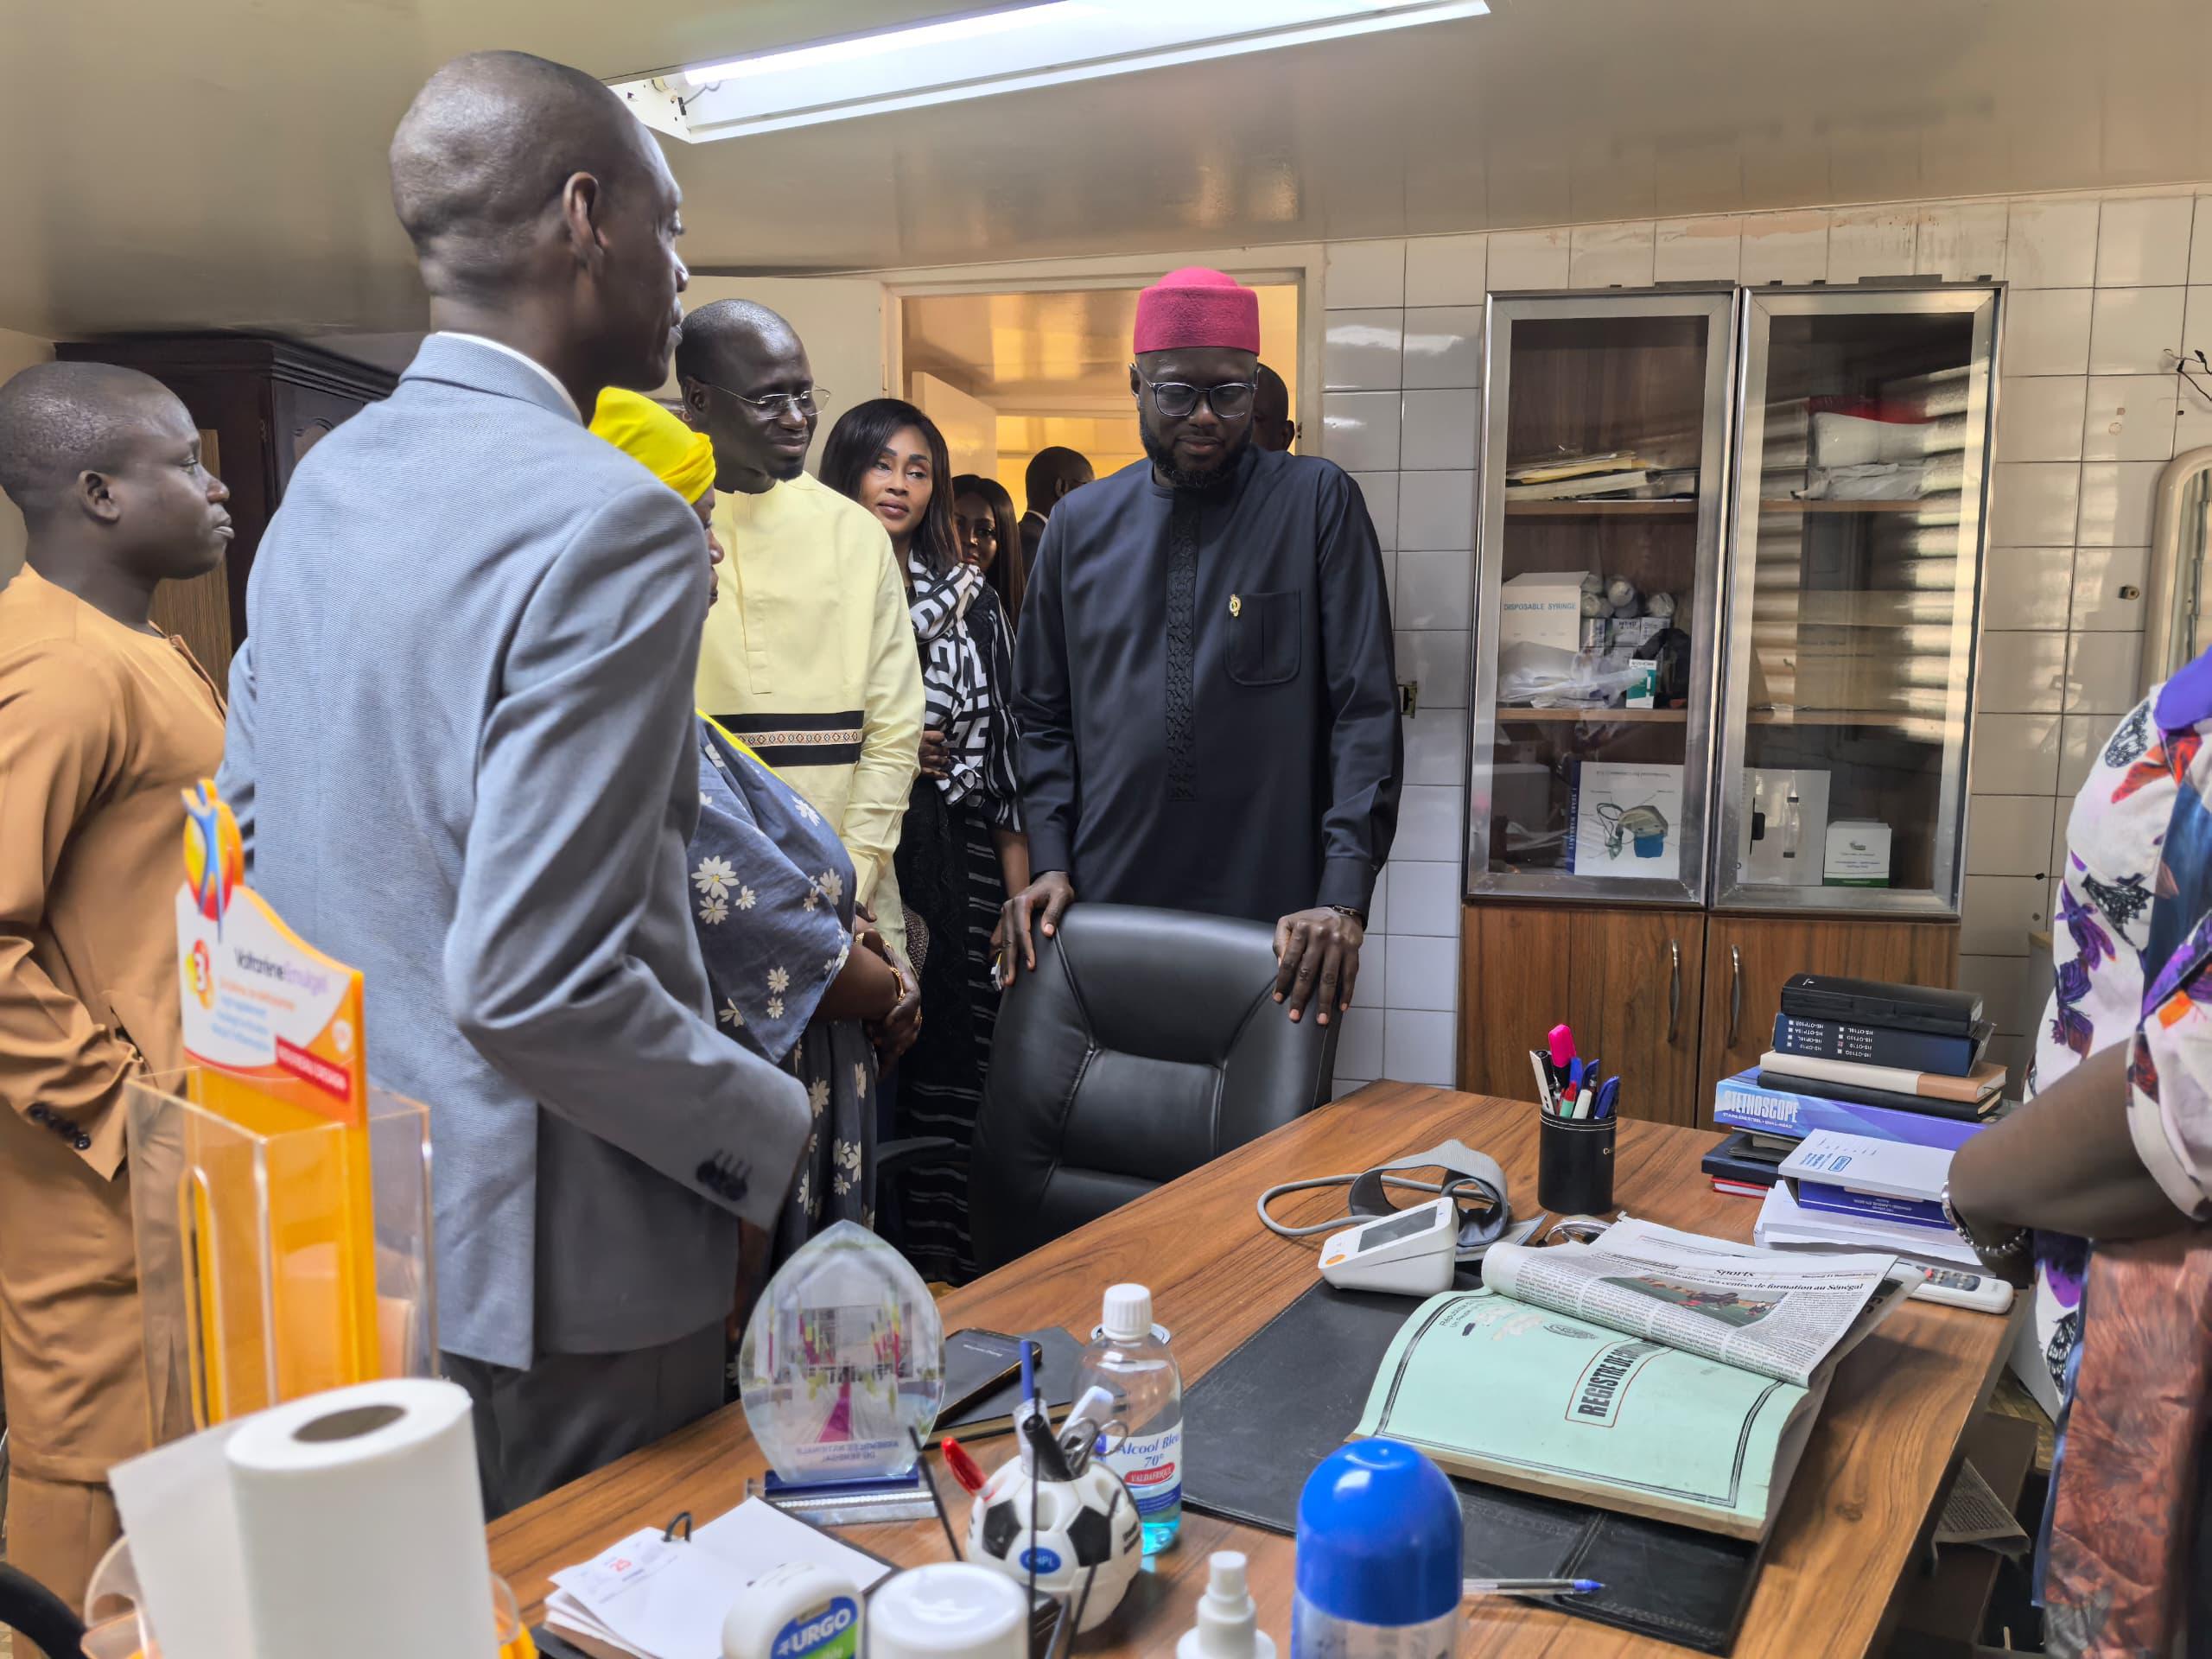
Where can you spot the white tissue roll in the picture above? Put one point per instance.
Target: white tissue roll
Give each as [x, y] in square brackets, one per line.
[361, 1525]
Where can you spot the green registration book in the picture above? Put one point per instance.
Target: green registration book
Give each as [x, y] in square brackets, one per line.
[1653, 1372]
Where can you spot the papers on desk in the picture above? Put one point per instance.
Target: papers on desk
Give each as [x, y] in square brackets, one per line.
[656, 1597]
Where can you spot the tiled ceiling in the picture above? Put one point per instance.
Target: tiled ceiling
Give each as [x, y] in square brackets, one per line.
[222, 164]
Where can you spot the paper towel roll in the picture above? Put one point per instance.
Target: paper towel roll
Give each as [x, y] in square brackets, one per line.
[361, 1525]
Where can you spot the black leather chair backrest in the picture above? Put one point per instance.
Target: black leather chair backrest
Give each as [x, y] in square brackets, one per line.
[40, 1616]
[1146, 1043]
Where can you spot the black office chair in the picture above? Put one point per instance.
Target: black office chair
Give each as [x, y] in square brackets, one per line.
[1146, 1043]
[34, 1612]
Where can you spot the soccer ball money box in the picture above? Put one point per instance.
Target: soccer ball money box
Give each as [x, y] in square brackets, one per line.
[1084, 1528]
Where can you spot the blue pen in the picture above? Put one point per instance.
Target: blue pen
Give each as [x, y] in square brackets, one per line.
[1574, 1078]
[1028, 1371]
[1607, 1095]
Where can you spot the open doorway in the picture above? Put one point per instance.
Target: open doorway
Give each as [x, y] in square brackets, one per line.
[1005, 375]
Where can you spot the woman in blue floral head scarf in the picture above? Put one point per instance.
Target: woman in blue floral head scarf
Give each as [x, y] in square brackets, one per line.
[771, 898]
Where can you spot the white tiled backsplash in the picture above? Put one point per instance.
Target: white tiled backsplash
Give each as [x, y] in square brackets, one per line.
[2101, 288]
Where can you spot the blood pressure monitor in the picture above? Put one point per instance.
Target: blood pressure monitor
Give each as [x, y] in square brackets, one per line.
[1412, 1253]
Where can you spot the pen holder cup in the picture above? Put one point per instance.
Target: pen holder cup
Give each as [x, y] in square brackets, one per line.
[1575, 1165]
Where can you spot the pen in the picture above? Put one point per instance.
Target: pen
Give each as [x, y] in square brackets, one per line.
[1607, 1095]
[1583, 1102]
[1529, 1586]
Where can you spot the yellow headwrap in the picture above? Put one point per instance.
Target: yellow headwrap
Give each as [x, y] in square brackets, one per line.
[670, 451]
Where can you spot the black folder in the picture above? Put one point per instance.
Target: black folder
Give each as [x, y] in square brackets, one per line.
[1254, 1426]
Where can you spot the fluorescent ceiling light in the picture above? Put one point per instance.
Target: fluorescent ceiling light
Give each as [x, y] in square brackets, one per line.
[1003, 49]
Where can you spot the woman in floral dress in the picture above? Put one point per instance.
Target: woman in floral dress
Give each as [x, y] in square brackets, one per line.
[2112, 840]
[772, 904]
[2105, 1176]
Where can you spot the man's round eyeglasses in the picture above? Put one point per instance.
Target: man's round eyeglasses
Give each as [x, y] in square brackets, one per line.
[807, 400]
[1175, 398]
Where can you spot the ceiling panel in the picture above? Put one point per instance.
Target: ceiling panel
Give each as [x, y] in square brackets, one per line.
[223, 163]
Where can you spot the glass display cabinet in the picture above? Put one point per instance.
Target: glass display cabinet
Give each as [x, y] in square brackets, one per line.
[1604, 466]
[1855, 548]
[1727, 584]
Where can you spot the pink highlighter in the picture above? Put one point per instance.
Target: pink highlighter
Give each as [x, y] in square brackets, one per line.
[1562, 1042]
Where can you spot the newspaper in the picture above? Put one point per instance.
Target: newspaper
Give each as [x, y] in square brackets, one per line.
[1786, 1315]
[1974, 1514]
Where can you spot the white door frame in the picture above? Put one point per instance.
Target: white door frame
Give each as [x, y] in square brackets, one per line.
[1299, 264]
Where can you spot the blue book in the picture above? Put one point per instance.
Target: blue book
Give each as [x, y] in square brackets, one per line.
[1905, 1051]
[1871, 1206]
[1742, 1102]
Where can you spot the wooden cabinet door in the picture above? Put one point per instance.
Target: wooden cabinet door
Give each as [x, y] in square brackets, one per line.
[1628, 981]
[1514, 983]
[1638, 984]
[1748, 957]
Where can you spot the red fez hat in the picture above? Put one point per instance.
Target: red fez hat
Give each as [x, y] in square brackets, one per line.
[1198, 306]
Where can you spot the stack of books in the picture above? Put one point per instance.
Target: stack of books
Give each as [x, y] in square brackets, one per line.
[1898, 1063]
[1853, 1192]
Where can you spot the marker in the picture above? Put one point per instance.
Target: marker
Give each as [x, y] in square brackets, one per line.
[1563, 1047]
[965, 1469]
[1529, 1587]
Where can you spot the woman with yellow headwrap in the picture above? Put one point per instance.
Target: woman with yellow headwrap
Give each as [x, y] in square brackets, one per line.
[772, 905]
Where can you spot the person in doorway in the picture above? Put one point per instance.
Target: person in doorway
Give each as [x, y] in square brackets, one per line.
[1205, 689]
[989, 535]
[476, 780]
[962, 850]
[771, 900]
[1052, 474]
[809, 656]
[1272, 427]
[105, 722]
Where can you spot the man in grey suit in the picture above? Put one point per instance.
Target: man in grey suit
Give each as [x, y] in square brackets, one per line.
[460, 751]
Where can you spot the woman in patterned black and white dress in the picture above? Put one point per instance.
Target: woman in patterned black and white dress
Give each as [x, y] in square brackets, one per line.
[962, 850]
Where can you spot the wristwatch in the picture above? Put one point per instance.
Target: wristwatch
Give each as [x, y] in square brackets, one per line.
[2019, 1241]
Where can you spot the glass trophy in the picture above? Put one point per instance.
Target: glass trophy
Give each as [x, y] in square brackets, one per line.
[842, 1368]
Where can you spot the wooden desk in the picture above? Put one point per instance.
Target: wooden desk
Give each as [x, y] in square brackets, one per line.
[1876, 1461]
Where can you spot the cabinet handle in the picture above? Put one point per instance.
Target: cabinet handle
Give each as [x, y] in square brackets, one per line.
[1735, 991]
[1673, 988]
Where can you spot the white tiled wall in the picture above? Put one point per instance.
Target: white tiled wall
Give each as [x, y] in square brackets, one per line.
[2102, 290]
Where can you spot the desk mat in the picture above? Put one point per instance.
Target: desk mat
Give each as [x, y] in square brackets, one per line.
[1254, 1426]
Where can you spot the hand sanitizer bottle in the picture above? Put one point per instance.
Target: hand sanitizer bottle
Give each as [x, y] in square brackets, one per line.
[1135, 1367]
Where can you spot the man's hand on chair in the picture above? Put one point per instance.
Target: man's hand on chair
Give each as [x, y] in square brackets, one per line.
[1045, 900]
[1317, 951]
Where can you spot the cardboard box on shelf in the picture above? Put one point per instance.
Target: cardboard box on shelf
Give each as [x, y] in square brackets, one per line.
[1544, 608]
[1858, 854]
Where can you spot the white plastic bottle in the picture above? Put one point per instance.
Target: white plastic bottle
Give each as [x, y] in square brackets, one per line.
[1229, 1623]
[1134, 1366]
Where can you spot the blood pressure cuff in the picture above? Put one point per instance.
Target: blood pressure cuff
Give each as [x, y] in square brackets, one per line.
[1254, 1426]
[1471, 1179]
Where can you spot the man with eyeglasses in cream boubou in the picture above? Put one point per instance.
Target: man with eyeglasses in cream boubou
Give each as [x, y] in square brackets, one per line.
[808, 654]
[1204, 682]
